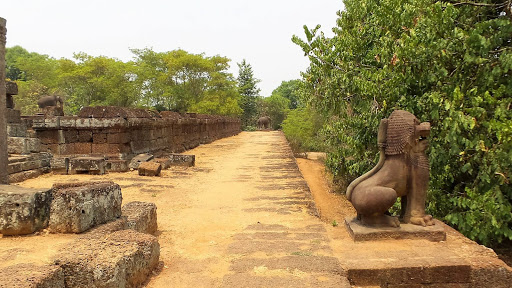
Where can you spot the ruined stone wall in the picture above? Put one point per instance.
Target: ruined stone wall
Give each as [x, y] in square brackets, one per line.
[114, 131]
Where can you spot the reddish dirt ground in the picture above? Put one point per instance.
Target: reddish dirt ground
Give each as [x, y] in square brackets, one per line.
[245, 217]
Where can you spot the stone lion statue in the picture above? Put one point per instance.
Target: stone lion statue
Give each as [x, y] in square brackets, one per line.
[402, 171]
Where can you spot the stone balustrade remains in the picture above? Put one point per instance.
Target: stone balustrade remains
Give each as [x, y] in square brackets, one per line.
[128, 131]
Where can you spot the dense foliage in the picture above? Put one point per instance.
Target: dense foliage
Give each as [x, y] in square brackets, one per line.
[301, 127]
[449, 63]
[174, 80]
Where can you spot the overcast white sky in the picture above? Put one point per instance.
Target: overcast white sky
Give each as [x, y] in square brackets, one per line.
[259, 31]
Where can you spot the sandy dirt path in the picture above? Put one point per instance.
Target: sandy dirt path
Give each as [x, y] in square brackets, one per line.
[242, 217]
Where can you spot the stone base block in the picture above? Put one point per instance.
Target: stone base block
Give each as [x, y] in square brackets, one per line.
[123, 259]
[77, 207]
[13, 116]
[30, 275]
[359, 232]
[93, 165]
[134, 164]
[150, 169]
[23, 210]
[60, 164]
[165, 162]
[117, 165]
[52, 111]
[182, 160]
[141, 216]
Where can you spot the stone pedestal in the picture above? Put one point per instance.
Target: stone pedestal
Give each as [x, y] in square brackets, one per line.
[23, 210]
[93, 165]
[359, 232]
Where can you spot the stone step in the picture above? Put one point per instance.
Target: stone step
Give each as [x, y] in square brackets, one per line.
[265, 278]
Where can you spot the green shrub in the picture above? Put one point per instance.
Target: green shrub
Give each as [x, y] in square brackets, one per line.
[448, 64]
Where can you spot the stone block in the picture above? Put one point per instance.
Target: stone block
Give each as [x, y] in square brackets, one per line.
[101, 231]
[115, 165]
[93, 165]
[24, 175]
[99, 138]
[150, 169]
[77, 207]
[17, 145]
[60, 164]
[33, 145]
[70, 136]
[84, 136]
[83, 148]
[359, 232]
[65, 149]
[52, 111]
[182, 160]
[23, 210]
[100, 148]
[31, 275]
[141, 216]
[119, 148]
[13, 116]
[11, 88]
[48, 136]
[68, 122]
[123, 259]
[16, 130]
[165, 162]
[118, 138]
[135, 162]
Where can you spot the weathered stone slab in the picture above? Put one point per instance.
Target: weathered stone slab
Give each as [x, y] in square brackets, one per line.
[150, 169]
[23, 210]
[115, 165]
[77, 207]
[182, 160]
[359, 232]
[94, 165]
[134, 164]
[52, 111]
[30, 275]
[123, 259]
[142, 216]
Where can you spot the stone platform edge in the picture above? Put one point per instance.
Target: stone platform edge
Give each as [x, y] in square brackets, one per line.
[359, 232]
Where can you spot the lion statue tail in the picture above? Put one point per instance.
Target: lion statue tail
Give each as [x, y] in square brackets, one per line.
[381, 140]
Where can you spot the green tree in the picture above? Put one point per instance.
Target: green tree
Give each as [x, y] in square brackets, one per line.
[247, 87]
[276, 107]
[448, 63]
[291, 91]
[99, 80]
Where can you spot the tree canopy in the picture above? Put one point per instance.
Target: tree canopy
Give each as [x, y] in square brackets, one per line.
[448, 63]
[174, 80]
